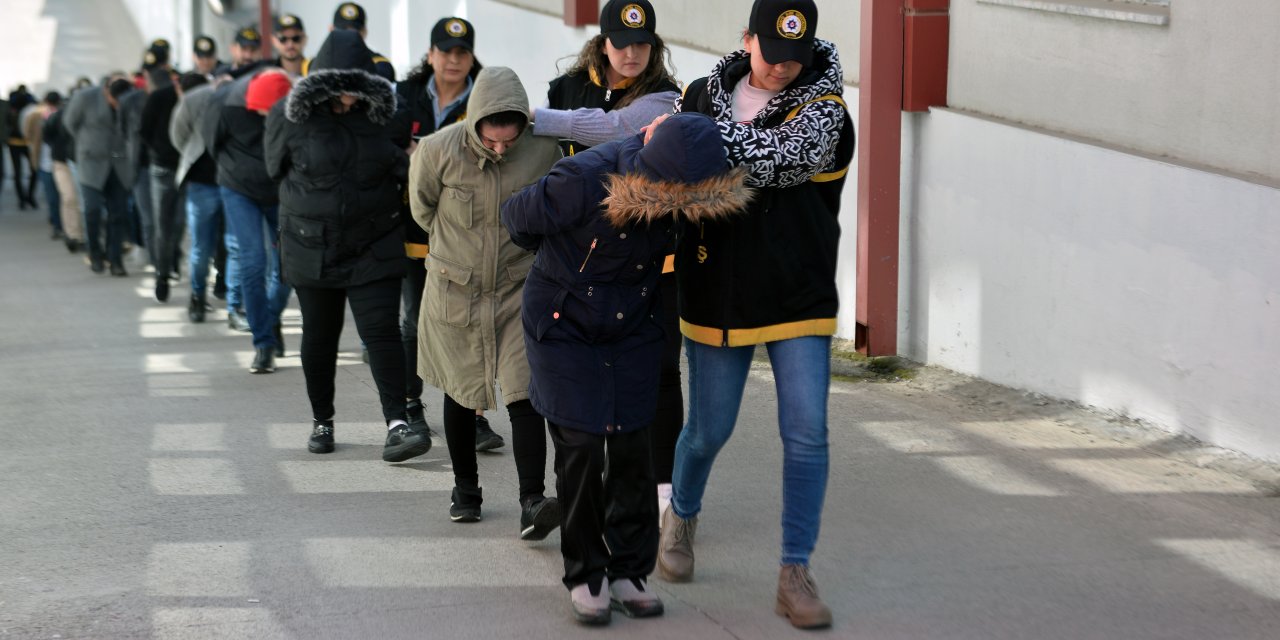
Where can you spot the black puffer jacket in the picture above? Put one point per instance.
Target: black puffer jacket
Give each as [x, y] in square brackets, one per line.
[341, 174]
[233, 137]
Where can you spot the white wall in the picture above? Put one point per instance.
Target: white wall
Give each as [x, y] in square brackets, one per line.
[1124, 283]
[1204, 89]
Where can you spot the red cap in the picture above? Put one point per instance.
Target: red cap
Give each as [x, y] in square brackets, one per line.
[265, 91]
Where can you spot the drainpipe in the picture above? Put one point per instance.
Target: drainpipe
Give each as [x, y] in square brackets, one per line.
[903, 66]
[267, 29]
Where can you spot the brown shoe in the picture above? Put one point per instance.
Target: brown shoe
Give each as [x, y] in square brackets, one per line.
[798, 599]
[675, 547]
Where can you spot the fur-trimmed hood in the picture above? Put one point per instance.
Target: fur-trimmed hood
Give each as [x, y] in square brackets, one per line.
[317, 88]
[635, 197]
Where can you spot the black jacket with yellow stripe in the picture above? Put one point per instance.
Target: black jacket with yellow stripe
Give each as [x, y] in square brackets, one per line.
[769, 274]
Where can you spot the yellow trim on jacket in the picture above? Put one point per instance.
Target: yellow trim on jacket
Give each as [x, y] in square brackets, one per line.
[415, 250]
[758, 335]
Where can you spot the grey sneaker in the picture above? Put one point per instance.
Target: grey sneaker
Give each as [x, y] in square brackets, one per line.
[632, 597]
[675, 547]
[590, 608]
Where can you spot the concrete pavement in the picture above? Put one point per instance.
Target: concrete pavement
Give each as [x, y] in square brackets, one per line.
[151, 488]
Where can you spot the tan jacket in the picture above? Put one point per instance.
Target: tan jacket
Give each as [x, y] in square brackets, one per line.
[469, 330]
[33, 131]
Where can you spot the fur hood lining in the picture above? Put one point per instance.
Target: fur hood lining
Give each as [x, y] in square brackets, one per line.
[317, 88]
[635, 198]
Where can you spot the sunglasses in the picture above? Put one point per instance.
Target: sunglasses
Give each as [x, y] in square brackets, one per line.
[288, 39]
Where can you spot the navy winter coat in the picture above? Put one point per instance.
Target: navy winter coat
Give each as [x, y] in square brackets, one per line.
[601, 221]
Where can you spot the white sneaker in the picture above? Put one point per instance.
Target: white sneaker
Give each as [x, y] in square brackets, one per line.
[633, 597]
[589, 608]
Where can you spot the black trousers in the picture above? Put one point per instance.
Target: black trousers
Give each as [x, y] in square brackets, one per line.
[606, 489]
[528, 444]
[20, 157]
[169, 201]
[669, 419]
[411, 290]
[376, 307]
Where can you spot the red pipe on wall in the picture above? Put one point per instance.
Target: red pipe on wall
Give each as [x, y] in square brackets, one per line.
[266, 29]
[578, 13]
[879, 173]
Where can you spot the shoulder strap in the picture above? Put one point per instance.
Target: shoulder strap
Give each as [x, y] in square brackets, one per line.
[847, 128]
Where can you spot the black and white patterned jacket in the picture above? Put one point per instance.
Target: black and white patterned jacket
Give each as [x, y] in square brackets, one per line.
[769, 274]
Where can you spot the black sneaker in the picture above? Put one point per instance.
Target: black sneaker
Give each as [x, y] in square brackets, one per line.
[118, 271]
[196, 309]
[404, 442]
[539, 517]
[220, 286]
[264, 361]
[236, 319]
[486, 439]
[417, 417]
[96, 265]
[279, 335]
[321, 437]
[464, 506]
[162, 288]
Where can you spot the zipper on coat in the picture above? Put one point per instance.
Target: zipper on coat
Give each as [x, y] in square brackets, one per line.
[589, 250]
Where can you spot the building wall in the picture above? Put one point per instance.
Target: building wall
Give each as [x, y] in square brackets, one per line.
[1201, 90]
[1124, 283]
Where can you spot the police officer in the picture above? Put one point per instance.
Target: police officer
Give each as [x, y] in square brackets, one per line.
[246, 52]
[289, 39]
[350, 15]
[204, 55]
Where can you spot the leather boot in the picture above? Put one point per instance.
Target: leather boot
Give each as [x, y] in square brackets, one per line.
[798, 599]
[675, 547]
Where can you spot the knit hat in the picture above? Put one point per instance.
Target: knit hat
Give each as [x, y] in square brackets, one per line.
[265, 90]
[685, 148]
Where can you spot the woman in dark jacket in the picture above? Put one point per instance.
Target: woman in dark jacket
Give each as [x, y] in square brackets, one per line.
[338, 149]
[601, 223]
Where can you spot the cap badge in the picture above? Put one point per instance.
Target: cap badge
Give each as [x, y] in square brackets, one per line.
[792, 25]
[456, 28]
[204, 45]
[288, 21]
[150, 58]
[633, 16]
[349, 11]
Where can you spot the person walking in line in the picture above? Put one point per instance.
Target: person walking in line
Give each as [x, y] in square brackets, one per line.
[167, 199]
[602, 222]
[350, 16]
[232, 130]
[470, 334]
[339, 153]
[61, 150]
[104, 169]
[620, 82]
[778, 107]
[197, 176]
[435, 94]
[204, 56]
[33, 123]
[19, 100]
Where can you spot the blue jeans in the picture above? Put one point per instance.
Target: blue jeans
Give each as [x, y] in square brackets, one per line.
[113, 197]
[261, 290]
[51, 196]
[204, 212]
[717, 377]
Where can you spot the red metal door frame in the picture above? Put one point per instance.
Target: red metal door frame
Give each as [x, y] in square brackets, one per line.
[579, 13]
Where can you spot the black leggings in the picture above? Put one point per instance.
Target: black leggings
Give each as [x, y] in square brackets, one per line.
[669, 419]
[26, 192]
[528, 442]
[376, 307]
[411, 290]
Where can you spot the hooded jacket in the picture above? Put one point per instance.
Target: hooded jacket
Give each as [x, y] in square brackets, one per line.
[184, 133]
[469, 325]
[601, 221]
[340, 174]
[769, 274]
[232, 135]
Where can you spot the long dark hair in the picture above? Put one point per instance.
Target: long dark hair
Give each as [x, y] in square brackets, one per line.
[423, 71]
[659, 72]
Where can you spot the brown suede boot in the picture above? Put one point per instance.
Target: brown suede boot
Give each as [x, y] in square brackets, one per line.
[798, 598]
[675, 547]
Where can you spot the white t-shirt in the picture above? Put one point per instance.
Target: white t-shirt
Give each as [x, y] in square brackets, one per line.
[748, 100]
